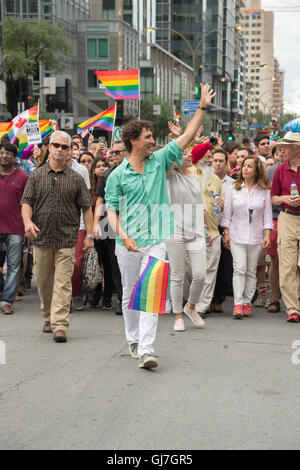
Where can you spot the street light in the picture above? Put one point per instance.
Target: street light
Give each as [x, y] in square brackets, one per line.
[194, 51]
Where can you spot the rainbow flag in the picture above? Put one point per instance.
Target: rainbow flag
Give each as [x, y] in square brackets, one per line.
[177, 117]
[25, 150]
[120, 84]
[105, 120]
[150, 291]
[18, 124]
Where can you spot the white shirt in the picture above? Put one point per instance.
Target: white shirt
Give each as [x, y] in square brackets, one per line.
[240, 207]
[226, 183]
[83, 171]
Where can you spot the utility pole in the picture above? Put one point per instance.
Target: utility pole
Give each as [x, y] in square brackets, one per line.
[120, 45]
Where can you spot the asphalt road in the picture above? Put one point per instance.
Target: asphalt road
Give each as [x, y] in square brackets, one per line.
[232, 385]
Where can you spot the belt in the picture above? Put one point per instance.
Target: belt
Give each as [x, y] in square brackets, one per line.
[287, 211]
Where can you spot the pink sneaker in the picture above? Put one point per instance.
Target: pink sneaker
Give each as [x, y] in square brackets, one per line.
[247, 311]
[238, 312]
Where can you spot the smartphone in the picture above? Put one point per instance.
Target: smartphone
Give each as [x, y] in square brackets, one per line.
[103, 140]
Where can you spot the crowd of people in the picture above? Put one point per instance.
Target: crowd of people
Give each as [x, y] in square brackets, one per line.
[225, 216]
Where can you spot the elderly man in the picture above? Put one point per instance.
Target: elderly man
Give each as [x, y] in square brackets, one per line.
[212, 193]
[51, 205]
[289, 224]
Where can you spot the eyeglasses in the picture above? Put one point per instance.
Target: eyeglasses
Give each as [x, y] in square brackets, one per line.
[62, 146]
[250, 216]
[86, 161]
[6, 154]
[116, 152]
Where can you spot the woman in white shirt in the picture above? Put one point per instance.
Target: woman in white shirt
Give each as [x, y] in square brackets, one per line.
[185, 195]
[247, 227]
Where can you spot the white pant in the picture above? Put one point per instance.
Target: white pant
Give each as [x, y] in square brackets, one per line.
[213, 254]
[140, 327]
[177, 248]
[245, 259]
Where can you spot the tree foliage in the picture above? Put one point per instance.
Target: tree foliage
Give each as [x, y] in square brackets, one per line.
[25, 46]
[160, 123]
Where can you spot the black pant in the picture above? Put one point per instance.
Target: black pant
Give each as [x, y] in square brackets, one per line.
[112, 277]
[224, 276]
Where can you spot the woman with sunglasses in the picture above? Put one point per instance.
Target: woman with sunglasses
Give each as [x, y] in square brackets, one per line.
[86, 159]
[247, 227]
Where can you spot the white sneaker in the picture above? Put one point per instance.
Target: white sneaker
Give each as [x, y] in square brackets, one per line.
[179, 325]
[194, 316]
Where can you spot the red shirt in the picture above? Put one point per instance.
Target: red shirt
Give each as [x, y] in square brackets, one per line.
[11, 191]
[284, 176]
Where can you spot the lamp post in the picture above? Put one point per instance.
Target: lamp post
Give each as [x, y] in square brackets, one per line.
[195, 50]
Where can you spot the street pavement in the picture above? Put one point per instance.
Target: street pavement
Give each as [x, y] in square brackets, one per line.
[232, 385]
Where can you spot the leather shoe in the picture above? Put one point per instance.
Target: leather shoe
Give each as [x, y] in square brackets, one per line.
[47, 327]
[217, 308]
[7, 309]
[60, 336]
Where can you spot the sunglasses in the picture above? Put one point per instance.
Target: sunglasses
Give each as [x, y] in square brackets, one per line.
[62, 146]
[250, 216]
[116, 152]
[86, 161]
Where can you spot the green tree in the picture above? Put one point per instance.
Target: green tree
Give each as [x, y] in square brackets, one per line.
[283, 120]
[25, 46]
[160, 123]
[260, 118]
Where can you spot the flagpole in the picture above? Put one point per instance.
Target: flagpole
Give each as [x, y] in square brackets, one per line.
[139, 94]
[149, 254]
[112, 134]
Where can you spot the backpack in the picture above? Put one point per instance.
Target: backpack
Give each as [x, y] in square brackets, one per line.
[92, 274]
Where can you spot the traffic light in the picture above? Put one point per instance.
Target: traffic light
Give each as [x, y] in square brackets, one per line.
[274, 124]
[230, 136]
[197, 90]
[119, 112]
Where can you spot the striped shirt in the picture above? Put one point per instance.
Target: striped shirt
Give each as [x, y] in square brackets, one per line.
[56, 199]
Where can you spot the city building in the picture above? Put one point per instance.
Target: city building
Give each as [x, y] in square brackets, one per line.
[258, 31]
[278, 87]
[63, 13]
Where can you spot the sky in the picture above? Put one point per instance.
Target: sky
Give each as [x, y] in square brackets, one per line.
[286, 46]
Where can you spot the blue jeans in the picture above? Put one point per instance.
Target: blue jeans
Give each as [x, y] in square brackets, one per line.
[14, 245]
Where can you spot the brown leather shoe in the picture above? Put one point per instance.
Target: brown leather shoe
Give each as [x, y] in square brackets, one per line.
[47, 327]
[274, 307]
[7, 309]
[60, 336]
[217, 308]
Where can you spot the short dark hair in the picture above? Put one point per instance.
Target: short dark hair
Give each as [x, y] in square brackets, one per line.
[259, 138]
[133, 130]
[10, 148]
[221, 151]
[230, 147]
[77, 136]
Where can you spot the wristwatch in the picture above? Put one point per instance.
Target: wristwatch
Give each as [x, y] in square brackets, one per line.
[202, 107]
[91, 236]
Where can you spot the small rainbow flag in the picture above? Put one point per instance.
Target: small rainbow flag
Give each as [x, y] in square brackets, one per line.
[177, 117]
[150, 291]
[120, 84]
[105, 120]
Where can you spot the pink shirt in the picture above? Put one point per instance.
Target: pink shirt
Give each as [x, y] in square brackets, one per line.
[240, 207]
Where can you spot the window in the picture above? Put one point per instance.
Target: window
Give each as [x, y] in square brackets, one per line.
[91, 48]
[102, 48]
[97, 48]
[92, 79]
[108, 9]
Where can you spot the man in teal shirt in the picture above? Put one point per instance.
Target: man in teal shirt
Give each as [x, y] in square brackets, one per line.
[139, 212]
